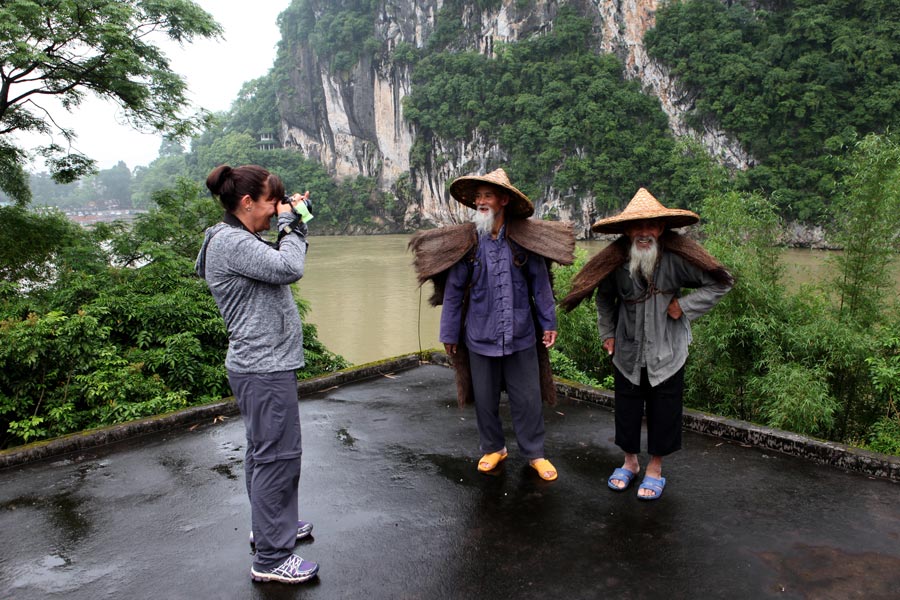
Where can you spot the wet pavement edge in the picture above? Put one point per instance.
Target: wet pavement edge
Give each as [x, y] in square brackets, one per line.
[822, 452]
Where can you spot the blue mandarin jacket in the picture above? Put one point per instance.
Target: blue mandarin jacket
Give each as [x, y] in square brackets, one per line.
[498, 319]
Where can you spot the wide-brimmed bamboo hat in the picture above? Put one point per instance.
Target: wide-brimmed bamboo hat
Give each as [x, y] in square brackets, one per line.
[645, 206]
[463, 189]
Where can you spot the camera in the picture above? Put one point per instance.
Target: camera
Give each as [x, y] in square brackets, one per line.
[287, 200]
[302, 209]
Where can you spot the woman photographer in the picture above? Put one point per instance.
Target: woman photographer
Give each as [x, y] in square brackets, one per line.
[250, 281]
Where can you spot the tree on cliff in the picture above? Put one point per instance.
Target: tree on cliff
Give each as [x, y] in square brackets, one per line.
[65, 49]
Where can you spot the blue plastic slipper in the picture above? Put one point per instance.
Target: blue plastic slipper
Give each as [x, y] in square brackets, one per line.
[654, 485]
[622, 475]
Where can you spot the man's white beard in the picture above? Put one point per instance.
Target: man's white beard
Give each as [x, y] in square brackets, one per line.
[484, 221]
[643, 260]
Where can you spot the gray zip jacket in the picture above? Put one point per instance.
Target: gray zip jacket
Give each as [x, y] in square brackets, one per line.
[250, 282]
[646, 336]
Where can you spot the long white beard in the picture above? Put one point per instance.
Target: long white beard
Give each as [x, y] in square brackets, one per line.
[484, 221]
[643, 260]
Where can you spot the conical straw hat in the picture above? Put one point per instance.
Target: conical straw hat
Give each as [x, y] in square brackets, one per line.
[463, 189]
[645, 206]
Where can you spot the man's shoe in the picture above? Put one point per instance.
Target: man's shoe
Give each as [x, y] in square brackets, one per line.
[293, 570]
[489, 462]
[303, 530]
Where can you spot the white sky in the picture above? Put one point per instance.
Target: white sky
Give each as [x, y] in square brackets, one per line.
[214, 70]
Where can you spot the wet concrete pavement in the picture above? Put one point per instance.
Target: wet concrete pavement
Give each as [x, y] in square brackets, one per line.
[400, 511]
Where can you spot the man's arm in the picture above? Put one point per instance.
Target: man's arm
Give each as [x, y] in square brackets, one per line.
[451, 311]
[606, 312]
[707, 291]
[542, 292]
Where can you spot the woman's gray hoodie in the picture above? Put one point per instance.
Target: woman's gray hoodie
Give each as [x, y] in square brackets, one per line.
[250, 282]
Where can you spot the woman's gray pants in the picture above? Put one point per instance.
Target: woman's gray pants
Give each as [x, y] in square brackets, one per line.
[268, 405]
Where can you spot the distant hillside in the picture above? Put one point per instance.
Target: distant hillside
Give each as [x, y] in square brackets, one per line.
[582, 102]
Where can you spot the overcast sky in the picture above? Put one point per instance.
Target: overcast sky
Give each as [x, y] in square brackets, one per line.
[214, 70]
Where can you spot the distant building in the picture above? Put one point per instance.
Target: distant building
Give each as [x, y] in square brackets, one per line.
[267, 141]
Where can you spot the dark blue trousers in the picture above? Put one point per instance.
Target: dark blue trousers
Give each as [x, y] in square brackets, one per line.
[519, 373]
[268, 405]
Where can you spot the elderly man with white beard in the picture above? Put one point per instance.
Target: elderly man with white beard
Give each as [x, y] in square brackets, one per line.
[644, 323]
[499, 315]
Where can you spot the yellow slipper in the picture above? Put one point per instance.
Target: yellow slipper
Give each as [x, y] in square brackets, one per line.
[489, 462]
[544, 468]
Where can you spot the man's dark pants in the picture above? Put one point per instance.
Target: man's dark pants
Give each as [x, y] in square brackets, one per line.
[268, 405]
[519, 372]
[664, 412]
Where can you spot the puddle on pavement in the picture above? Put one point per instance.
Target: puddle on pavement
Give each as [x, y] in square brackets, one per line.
[345, 438]
[827, 572]
[224, 470]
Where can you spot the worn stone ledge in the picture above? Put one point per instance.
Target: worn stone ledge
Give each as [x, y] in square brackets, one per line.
[829, 453]
[101, 436]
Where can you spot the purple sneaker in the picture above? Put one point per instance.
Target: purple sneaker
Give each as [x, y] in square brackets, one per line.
[293, 570]
[303, 530]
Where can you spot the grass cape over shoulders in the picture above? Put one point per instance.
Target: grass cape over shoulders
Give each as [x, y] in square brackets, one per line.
[616, 254]
[436, 250]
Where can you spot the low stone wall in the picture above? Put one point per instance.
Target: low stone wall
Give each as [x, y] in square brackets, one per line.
[94, 438]
[828, 453]
[785, 442]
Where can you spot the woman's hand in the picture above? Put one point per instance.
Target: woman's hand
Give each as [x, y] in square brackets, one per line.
[295, 200]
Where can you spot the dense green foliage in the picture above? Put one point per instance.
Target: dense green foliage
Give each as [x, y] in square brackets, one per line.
[796, 85]
[107, 325]
[563, 114]
[65, 49]
[822, 361]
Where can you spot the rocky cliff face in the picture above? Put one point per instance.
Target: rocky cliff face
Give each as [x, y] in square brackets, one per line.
[354, 124]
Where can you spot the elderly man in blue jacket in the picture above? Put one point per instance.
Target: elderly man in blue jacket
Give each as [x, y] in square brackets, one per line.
[499, 309]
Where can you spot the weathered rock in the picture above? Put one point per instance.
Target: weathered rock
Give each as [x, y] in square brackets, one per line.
[354, 124]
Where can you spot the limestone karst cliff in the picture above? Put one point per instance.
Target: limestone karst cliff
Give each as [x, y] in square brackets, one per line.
[352, 120]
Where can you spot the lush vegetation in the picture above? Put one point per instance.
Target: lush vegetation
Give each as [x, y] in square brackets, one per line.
[65, 49]
[797, 84]
[824, 361]
[106, 325]
[563, 115]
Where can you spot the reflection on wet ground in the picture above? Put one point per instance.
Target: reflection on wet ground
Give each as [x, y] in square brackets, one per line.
[400, 511]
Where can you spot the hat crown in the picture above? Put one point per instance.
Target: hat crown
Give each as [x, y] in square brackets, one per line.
[643, 206]
[643, 203]
[499, 177]
[463, 189]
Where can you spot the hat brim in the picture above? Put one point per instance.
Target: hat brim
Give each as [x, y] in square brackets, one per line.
[463, 190]
[671, 217]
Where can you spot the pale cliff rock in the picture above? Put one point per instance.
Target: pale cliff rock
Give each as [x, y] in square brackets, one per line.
[354, 125]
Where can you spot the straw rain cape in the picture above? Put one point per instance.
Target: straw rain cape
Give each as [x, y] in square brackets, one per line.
[616, 254]
[436, 250]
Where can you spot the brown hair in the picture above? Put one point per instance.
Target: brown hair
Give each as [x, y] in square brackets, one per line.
[229, 184]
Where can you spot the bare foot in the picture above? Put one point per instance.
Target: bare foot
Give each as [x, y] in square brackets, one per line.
[631, 464]
[545, 468]
[490, 461]
[654, 469]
